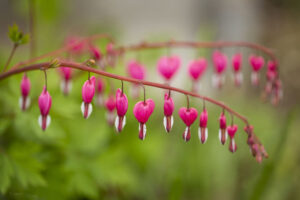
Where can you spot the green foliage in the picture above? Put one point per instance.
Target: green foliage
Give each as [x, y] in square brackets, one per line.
[17, 36]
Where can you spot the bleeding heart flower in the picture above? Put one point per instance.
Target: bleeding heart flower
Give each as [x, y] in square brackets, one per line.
[66, 84]
[110, 105]
[44, 105]
[202, 131]
[88, 91]
[256, 62]
[100, 86]
[142, 111]
[111, 54]
[24, 100]
[220, 64]
[231, 130]
[121, 106]
[188, 116]
[237, 65]
[168, 112]
[75, 45]
[196, 70]
[95, 53]
[222, 130]
[168, 66]
[137, 71]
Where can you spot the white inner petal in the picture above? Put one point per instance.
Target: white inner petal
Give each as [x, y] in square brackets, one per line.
[233, 145]
[144, 132]
[48, 121]
[124, 122]
[186, 133]
[90, 109]
[172, 121]
[199, 133]
[82, 108]
[206, 135]
[117, 123]
[220, 135]
[165, 122]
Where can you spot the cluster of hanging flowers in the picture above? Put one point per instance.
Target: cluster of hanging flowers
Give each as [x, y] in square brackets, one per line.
[116, 103]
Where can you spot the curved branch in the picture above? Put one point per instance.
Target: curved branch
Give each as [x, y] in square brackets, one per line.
[83, 67]
[63, 49]
[123, 78]
[218, 44]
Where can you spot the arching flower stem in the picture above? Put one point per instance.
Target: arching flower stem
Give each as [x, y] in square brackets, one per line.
[83, 67]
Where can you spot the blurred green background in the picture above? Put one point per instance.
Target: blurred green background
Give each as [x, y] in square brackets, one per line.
[85, 159]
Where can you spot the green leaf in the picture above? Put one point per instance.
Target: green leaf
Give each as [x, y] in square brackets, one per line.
[24, 39]
[6, 171]
[17, 36]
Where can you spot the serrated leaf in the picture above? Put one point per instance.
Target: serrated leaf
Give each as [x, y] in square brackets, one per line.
[17, 36]
[25, 39]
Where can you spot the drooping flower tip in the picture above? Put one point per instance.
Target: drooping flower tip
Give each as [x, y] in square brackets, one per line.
[197, 68]
[202, 131]
[142, 111]
[188, 116]
[122, 107]
[167, 66]
[45, 102]
[168, 112]
[24, 100]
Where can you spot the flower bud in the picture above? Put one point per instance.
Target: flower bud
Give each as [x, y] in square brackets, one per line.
[231, 130]
[168, 112]
[256, 62]
[44, 105]
[121, 106]
[24, 100]
[196, 70]
[137, 71]
[88, 91]
[100, 86]
[222, 130]
[202, 131]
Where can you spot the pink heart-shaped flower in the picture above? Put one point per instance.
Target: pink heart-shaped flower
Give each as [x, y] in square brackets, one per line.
[232, 130]
[168, 66]
[257, 62]
[197, 68]
[188, 115]
[143, 110]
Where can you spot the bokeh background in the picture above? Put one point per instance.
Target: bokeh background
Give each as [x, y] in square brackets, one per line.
[85, 159]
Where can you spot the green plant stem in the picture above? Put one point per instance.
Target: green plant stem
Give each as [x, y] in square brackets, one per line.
[32, 28]
[10, 57]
